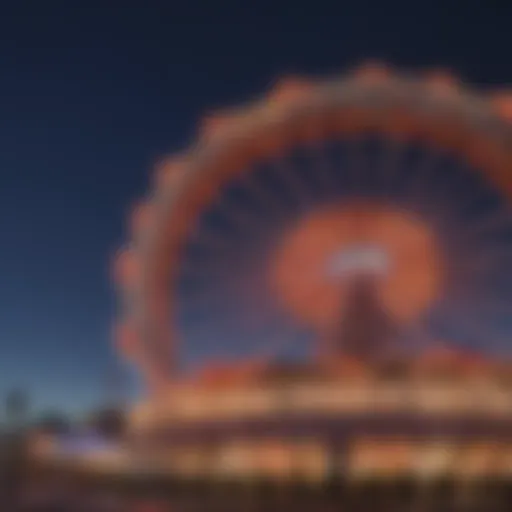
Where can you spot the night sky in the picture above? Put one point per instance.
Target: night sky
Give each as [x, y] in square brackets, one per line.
[92, 96]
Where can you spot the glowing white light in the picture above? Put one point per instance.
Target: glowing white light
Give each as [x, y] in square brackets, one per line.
[363, 258]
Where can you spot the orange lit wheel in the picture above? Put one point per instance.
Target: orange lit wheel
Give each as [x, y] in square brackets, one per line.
[319, 254]
[234, 254]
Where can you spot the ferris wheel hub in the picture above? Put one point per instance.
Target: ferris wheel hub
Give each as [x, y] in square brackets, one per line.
[326, 250]
[358, 259]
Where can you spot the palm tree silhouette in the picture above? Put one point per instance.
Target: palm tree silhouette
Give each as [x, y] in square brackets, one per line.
[16, 407]
[14, 448]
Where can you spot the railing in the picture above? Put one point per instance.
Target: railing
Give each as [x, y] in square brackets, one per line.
[484, 399]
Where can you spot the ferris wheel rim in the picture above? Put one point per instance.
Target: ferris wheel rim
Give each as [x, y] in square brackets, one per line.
[159, 246]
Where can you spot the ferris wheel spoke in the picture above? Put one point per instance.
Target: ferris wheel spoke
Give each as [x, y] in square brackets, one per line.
[448, 200]
[277, 336]
[487, 317]
[210, 238]
[433, 203]
[487, 259]
[478, 276]
[207, 292]
[240, 218]
[242, 221]
[497, 307]
[264, 196]
[492, 223]
[207, 304]
[368, 156]
[324, 171]
[247, 323]
[246, 284]
[474, 301]
[419, 185]
[254, 319]
[218, 263]
[290, 178]
[346, 163]
[386, 171]
[238, 214]
[205, 322]
[218, 240]
[356, 165]
[208, 272]
[213, 268]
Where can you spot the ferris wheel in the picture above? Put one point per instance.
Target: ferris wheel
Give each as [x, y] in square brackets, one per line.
[375, 193]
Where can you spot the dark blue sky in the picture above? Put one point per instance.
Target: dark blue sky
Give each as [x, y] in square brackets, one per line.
[91, 96]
